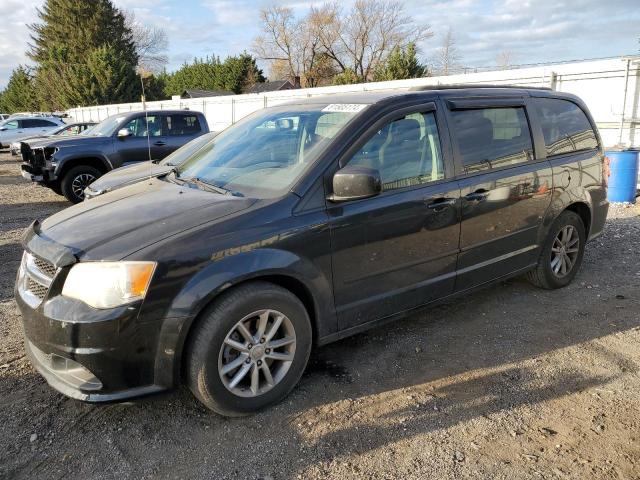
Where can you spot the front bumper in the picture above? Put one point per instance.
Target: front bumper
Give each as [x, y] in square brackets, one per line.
[37, 174]
[94, 355]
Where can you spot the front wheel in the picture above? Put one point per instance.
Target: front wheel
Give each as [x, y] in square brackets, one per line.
[76, 180]
[561, 254]
[249, 349]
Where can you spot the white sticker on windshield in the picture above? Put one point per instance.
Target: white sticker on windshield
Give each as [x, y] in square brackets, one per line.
[345, 107]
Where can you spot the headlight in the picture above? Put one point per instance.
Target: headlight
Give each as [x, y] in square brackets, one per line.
[108, 284]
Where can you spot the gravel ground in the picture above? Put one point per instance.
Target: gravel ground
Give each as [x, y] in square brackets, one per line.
[512, 382]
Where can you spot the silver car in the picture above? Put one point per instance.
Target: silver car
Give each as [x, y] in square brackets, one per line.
[17, 128]
[65, 130]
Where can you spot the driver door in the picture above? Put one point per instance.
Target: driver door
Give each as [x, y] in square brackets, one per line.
[397, 250]
[137, 147]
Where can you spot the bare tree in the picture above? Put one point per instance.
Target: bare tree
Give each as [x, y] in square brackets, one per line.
[447, 56]
[151, 44]
[328, 40]
[505, 59]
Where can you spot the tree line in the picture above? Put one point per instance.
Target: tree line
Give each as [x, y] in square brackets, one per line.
[88, 53]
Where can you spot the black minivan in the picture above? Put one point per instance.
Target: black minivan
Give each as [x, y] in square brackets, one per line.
[301, 224]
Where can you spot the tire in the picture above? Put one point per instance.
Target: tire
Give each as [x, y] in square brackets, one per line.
[209, 354]
[76, 180]
[56, 187]
[545, 274]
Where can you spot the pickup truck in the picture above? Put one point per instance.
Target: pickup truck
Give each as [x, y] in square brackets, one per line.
[69, 165]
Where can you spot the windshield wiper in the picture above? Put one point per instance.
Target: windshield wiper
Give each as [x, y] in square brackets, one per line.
[206, 186]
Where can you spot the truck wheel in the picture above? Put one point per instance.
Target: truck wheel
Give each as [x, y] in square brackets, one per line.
[249, 349]
[561, 254]
[76, 180]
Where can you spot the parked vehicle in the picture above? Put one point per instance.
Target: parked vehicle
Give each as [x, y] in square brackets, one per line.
[67, 130]
[68, 166]
[18, 128]
[302, 224]
[123, 176]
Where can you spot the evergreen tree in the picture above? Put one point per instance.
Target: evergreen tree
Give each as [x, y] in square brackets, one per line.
[347, 77]
[401, 64]
[235, 74]
[85, 54]
[19, 96]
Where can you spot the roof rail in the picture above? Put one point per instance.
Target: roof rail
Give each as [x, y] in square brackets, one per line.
[453, 86]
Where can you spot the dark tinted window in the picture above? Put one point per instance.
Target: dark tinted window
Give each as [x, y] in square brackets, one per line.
[178, 124]
[406, 152]
[38, 123]
[492, 137]
[565, 127]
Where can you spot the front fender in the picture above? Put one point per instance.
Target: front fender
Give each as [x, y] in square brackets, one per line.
[234, 269]
[62, 159]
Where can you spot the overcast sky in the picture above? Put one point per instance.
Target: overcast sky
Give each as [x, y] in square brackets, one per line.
[535, 30]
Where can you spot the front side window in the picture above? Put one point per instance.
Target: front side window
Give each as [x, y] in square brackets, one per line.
[141, 126]
[263, 154]
[179, 124]
[565, 127]
[492, 137]
[12, 125]
[406, 152]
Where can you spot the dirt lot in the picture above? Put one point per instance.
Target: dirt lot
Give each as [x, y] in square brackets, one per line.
[512, 382]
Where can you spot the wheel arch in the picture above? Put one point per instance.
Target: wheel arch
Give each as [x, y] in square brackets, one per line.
[281, 268]
[93, 161]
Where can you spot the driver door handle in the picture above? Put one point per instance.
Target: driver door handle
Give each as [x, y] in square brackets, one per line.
[478, 196]
[159, 143]
[439, 204]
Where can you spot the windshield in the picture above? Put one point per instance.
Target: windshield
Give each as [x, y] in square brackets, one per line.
[108, 126]
[265, 153]
[185, 151]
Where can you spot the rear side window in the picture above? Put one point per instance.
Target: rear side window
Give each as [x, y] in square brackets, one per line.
[182, 124]
[492, 137]
[565, 127]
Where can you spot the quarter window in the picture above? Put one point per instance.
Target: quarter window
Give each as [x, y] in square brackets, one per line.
[406, 152]
[565, 127]
[492, 137]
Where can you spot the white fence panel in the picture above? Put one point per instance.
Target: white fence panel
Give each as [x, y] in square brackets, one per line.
[602, 84]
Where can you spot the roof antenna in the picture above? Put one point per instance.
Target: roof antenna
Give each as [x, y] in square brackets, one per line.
[141, 72]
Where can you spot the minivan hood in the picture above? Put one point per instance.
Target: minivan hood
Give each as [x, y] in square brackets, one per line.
[114, 225]
[127, 175]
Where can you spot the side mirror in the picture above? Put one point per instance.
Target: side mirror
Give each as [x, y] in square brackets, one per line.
[124, 132]
[3, 129]
[355, 182]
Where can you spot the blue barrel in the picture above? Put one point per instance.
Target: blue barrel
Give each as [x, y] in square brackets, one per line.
[624, 176]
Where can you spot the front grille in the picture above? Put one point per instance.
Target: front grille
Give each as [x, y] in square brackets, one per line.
[34, 279]
[36, 288]
[45, 267]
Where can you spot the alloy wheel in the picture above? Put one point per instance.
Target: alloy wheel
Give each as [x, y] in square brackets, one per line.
[257, 353]
[80, 182]
[565, 251]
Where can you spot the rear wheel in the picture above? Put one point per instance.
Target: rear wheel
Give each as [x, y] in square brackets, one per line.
[76, 180]
[562, 253]
[249, 349]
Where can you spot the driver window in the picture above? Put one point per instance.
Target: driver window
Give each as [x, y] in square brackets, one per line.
[140, 125]
[406, 152]
[12, 125]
